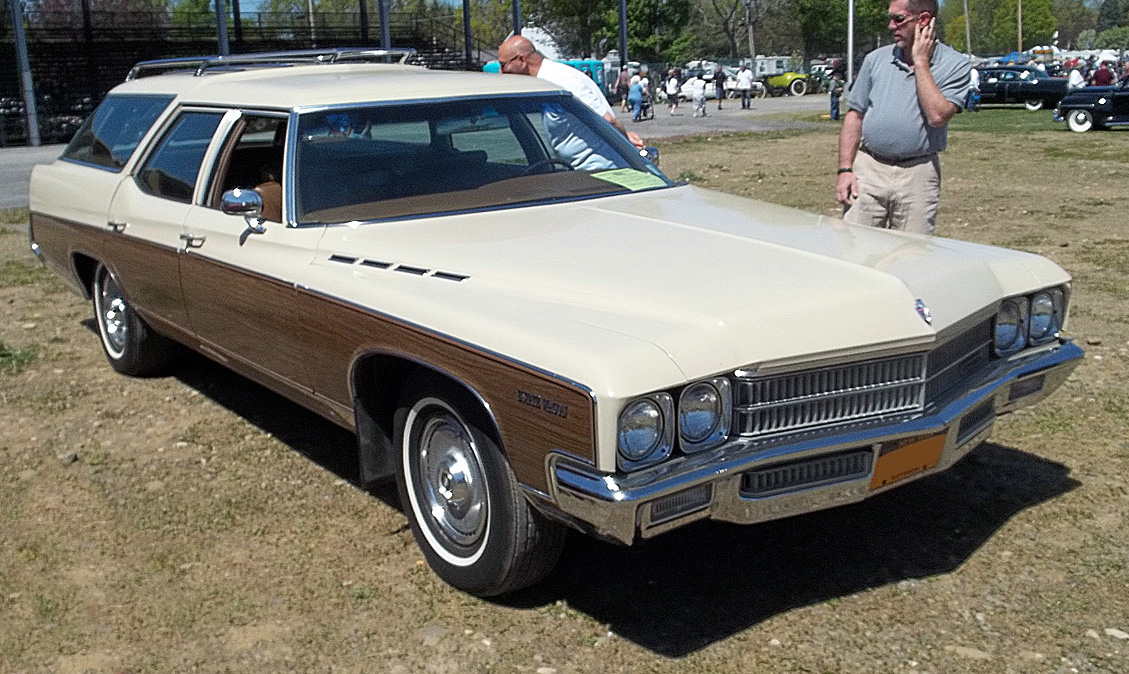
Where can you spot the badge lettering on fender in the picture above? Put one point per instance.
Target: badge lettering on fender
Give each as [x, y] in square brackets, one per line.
[544, 404]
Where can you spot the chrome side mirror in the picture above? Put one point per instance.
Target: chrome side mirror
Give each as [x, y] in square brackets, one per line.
[651, 154]
[247, 203]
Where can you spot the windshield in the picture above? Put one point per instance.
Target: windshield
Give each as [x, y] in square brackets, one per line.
[383, 162]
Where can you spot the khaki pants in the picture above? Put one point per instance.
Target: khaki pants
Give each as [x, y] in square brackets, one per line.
[896, 194]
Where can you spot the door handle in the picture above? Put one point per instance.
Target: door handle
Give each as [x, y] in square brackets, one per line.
[191, 241]
[118, 227]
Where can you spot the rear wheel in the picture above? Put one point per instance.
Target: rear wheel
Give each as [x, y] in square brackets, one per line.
[130, 345]
[798, 87]
[1033, 104]
[1080, 121]
[466, 510]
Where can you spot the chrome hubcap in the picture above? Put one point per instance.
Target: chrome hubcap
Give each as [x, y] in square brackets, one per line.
[453, 485]
[114, 311]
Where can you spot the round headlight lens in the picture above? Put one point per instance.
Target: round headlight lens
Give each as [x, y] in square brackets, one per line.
[1044, 316]
[699, 411]
[1011, 326]
[640, 429]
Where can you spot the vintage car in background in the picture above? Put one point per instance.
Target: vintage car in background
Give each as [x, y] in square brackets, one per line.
[526, 324]
[1028, 85]
[1094, 108]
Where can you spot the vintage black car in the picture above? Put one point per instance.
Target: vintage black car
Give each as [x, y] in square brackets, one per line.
[1020, 84]
[1094, 108]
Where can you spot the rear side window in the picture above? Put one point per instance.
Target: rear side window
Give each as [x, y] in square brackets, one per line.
[172, 168]
[110, 136]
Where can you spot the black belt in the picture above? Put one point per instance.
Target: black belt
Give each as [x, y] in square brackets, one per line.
[910, 161]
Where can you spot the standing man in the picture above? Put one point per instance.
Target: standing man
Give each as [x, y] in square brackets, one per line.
[1103, 76]
[518, 56]
[836, 87]
[718, 86]
[897, 122]
[745, 86]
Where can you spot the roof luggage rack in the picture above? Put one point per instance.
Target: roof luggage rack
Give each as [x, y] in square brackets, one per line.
[201, 64]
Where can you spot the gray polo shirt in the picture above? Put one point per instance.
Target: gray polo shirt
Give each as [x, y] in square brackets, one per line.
[885, 92]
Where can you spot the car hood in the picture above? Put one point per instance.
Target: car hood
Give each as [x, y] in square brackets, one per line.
[713, 281]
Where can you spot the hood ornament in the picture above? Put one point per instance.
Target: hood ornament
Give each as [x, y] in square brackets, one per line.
[923, 311]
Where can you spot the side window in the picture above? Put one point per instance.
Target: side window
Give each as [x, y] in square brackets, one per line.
[172, 168]
[110, 135]
[253, 160]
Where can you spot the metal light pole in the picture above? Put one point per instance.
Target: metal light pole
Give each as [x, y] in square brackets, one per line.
[967, 30]
[221, 28]
[517, 17]
[622, 33]
[25, 73]
[385, 29]
[466, 32]
[749, 27]
[850, 42]
[1019, 25]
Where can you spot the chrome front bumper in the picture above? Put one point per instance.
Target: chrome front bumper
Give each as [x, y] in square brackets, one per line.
[715, 484]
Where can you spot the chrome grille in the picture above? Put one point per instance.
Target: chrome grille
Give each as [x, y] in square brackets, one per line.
[957, 360]
[791, 402]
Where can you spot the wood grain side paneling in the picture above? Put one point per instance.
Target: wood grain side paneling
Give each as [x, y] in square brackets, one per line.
[536, 414]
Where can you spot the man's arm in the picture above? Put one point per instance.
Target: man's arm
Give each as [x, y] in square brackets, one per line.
[938, 110]
[846, 185]
[631, 135]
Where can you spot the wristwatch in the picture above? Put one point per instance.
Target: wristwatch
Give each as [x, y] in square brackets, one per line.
[846, 170]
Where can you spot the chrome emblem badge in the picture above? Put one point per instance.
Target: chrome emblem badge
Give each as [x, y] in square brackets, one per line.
[923, 311]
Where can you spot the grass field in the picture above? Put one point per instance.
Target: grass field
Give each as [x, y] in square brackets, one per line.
[199, 523]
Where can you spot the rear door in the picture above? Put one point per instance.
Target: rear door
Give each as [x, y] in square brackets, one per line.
[147, 215]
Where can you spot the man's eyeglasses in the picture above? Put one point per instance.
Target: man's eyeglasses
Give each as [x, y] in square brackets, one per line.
[899, 19]
[503, 64]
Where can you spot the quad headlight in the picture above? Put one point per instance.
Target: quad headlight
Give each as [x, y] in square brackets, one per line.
[1029, 321]
[1011, 326]
[704, 410]
[1046, 315]
[646, 431]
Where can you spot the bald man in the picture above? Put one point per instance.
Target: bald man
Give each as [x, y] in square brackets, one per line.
[518, 56]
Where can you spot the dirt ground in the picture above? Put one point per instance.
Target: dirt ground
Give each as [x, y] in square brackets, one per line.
[199, 523]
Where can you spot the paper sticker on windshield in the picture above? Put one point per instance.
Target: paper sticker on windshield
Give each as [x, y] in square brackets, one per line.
[631, 179]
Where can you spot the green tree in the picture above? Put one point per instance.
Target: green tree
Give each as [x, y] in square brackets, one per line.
[823, 24]
[1114, 38]
[1109, 15]
[1038, 25]
[1074, 16]
[577, 25]
[657, 30]
[1087, 38]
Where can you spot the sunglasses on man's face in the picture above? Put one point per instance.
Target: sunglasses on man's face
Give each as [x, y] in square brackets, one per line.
[899, 19]
[508, 61]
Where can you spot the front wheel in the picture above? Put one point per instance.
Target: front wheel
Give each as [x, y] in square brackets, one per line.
[1033, 104]
[1080, 121]
[130, 345]
[466, 510]
[798, 87]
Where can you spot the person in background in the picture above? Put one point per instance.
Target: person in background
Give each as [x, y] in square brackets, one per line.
[897, 121]
[836, 87]
[1076, 80]
[635, 97]
[697, 88]
[518, 56]
[1103, 76]
[622, 86]
[673, 86]
[745, 86]
[718, 86]
[1124, 79]
[973, 103]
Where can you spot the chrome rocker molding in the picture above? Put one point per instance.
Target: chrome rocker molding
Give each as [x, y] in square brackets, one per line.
[709, 484]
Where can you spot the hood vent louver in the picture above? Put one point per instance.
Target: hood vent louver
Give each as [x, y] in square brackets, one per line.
[395, 266]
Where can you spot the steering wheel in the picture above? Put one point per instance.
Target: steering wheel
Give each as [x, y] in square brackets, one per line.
[551, 161]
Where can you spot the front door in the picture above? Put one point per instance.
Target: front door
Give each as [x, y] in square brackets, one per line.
[240, 285]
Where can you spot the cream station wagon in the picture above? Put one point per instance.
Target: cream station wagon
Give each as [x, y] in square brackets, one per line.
[526, 324]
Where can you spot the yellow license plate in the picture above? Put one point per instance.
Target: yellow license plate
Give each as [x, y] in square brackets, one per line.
[905, 458]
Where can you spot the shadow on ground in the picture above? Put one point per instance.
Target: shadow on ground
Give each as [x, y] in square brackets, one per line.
[685, 590]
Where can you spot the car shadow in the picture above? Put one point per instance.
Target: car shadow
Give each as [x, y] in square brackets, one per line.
[695, 586]
[687, 589]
